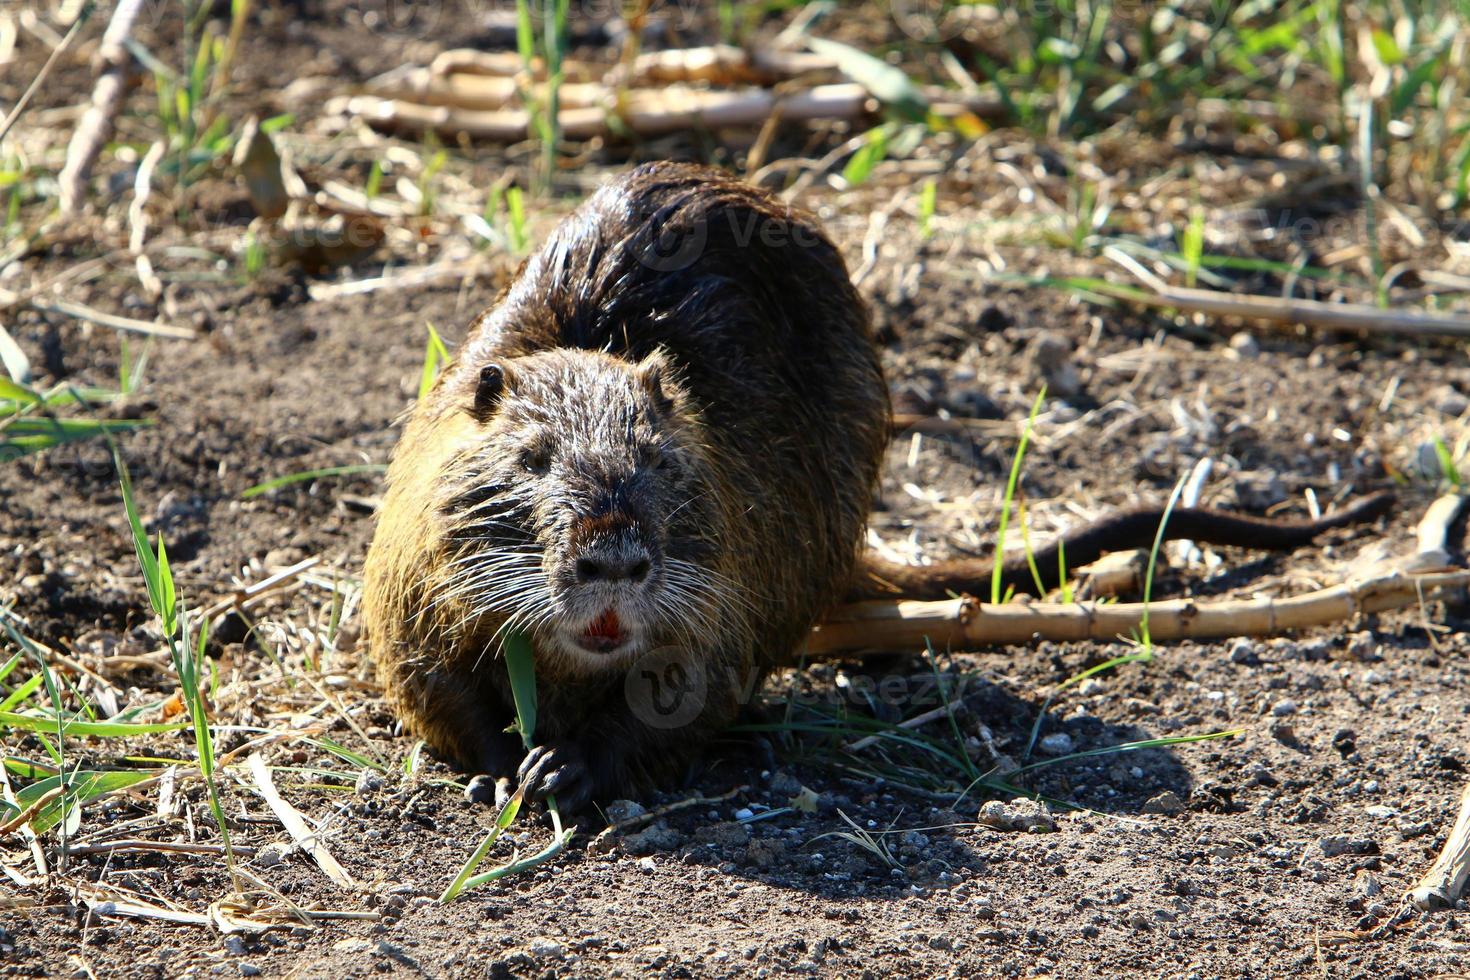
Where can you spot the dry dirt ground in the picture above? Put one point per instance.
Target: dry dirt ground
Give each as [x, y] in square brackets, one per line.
[1277, 852]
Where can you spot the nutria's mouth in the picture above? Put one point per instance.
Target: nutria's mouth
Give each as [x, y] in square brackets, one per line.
[605, 634]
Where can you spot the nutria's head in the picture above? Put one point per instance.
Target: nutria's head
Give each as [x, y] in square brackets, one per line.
[579, 507]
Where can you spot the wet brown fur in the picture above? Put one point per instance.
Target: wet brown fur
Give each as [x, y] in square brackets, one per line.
[678, 308]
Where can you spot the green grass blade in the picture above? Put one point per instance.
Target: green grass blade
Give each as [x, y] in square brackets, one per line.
[90, 729]
[1005, 510]
[323, 473]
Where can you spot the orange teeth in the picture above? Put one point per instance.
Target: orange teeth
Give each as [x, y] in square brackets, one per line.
[607, 626]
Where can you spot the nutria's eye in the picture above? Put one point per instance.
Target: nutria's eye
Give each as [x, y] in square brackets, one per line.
[487, 390]
[536, 460]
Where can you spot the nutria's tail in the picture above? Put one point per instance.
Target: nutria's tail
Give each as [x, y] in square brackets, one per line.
[880, 579]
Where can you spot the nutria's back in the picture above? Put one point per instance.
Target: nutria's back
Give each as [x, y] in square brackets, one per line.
[664, 436]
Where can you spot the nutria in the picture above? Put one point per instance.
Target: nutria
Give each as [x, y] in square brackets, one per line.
[654, 456]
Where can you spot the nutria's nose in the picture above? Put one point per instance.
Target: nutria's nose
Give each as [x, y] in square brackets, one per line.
[608, 567]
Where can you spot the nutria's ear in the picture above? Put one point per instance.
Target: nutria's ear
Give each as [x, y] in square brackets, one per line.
[657, 373]
[489, 386]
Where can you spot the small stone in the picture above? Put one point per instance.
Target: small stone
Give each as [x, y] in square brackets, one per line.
[1019, 814]
[1374, 677]
[1091, 686]
[621, 811]
[1450, 401]
[352, 946]
[646, 865]
[1245, 344]
[1284, 707]
[744, 813]
[249, 970]
[1167, 803]
[272, 854]
[1338, 845]
[1057, 743]
[367, 782]
[1362, 645]
[724, 834]
[547, 949]
[1427, 460]
[1243, 651]
[1365, 885]
[659, 837]
[1380, 812]
[234, 945]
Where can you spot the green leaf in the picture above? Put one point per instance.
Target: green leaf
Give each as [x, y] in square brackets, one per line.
[1407, 90]
[168, 596]
[1386, 47]
[290, 478]
[146, 558]
[21, 693]
[521, 664]
[886, 83]
[346, 754]
[860, 166]
[46, 724]
[82, 786]
[1005, 510]
[16, 392]
[435, 357]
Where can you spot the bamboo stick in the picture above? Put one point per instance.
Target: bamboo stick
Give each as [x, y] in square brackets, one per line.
[1307, 312]
[968, 623]
[1443, 883]
[95, 128]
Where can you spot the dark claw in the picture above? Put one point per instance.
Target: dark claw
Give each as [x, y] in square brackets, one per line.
[560, 771]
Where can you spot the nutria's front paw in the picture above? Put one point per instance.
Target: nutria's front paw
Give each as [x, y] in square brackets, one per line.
[560, 771]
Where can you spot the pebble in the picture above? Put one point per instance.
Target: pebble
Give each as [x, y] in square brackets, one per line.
[234, 945]
[367, 782]
[744, 813]
[1365, 885]
[1426, 460]
[272, 855]
[1374, 677]
[659, 837]
[619, 811]
[1091, 686]
[1167, 803]
[1338, 845]
[1245, 344]
[1284, 707]
[249, 970]
[1362, 645]
[1243, 651]
[1018, 814]
[1057, 743]
[1380, 812]
[547, 949]
[1450, 401]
